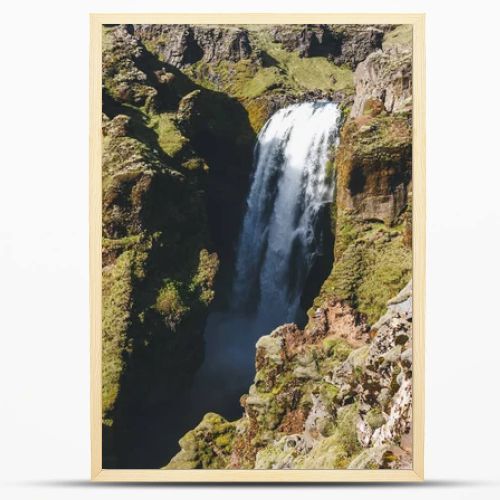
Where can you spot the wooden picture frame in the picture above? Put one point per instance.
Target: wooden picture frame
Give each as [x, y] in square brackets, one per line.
[417, 473]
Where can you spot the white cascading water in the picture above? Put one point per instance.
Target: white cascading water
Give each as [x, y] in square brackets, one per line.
[279, 242]
[279, 239]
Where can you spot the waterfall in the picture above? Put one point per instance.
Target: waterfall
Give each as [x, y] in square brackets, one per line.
[280, 237]
[280, 241]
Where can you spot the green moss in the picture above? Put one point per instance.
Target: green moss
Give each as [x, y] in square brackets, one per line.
[170, 139]
[117, 293]
[176, 299]
[204, 279]
[246, 80]
[336, 348]
[268, 409]
[208, 446]
[121, 244]
[390, 267]
[375, 418]
[314, 73]
[347, 231]
[223, 441]
[330, 169]
[305, 73]
[372, 263]
[400, 36]
[170, 303]
[337, 450]
[195, 165]
[329, 393]
[258, 113]
[346, 432]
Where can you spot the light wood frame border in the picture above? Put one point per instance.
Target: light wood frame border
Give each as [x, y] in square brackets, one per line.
[208, 476]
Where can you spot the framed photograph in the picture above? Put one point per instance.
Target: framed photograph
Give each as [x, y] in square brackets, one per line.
[257, 247]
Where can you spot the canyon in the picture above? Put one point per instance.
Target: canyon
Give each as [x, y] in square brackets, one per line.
[200, 245]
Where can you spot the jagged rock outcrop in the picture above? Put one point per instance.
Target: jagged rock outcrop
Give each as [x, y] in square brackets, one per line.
[374, 165]
[335, 395]
[180, 45]
[384, 77]
[121, 74]
[145, 201]
[344, 44]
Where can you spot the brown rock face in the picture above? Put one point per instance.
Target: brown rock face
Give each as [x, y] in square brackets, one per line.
[121, 59]
[373, 161]
[357, 43]
[338, 320]
[374, 167]
[309, 41]
[344, 44]
[180, 45]
[387, 77]
[374, 158]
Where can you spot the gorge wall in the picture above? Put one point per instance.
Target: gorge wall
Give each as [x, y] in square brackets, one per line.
[181, 109]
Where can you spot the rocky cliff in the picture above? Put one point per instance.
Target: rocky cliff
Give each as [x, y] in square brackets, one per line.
[335, 395]
[338, 393]
[181, 109]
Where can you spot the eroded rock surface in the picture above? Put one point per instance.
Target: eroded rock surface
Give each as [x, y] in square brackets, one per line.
[384, 76]
[344, 44]
[180, 45]
[336, 395]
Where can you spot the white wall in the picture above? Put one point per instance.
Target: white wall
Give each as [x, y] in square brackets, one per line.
[44, 364]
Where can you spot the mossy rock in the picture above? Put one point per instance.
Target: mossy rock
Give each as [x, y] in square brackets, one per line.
[118, 281]
[374, 418]
[170, 138]
[208, 446]
[372, 263]
[170, 304]
[336, 348]
[203, 282]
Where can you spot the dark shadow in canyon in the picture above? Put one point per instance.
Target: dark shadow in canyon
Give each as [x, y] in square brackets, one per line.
[151, 410]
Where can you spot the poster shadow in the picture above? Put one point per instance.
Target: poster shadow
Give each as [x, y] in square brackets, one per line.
[429, 484]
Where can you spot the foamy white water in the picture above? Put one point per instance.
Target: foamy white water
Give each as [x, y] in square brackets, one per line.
[280, 238]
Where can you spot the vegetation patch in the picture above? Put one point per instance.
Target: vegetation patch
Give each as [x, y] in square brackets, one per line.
[208, 446]
[117, 305]
[372, 263]
[400, 36]
[170, 139]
